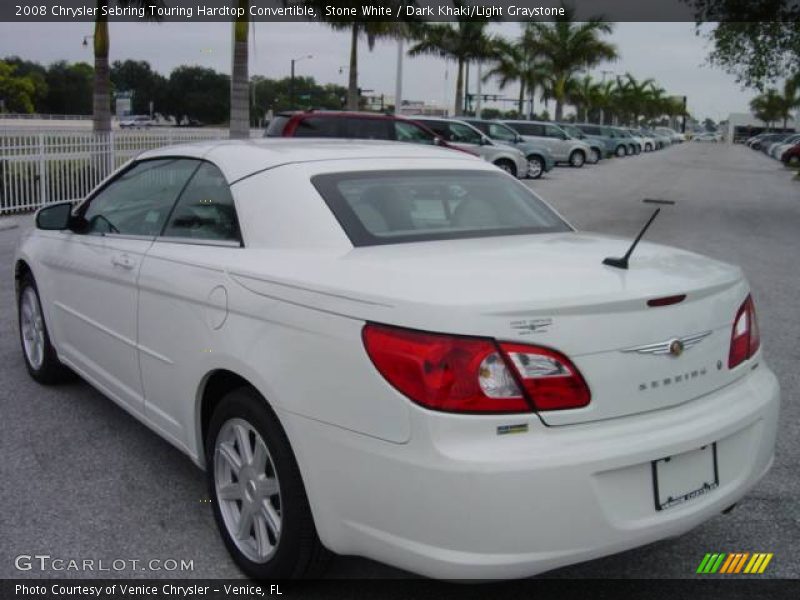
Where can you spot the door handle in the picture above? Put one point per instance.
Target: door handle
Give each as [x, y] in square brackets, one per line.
[123, 260]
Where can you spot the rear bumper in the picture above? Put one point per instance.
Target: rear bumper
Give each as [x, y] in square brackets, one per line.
[459, 501]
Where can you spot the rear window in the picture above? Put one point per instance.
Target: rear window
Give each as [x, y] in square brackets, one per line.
[318, 127]
[368, 129]
[276, 126]
[391, 207]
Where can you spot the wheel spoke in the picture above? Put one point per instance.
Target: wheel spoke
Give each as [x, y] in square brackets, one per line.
[243, 441]
[269, 487]
[227, 452]
[272, 518]
[262, 536]
[245, 521]
[260, 456]
[232, 491]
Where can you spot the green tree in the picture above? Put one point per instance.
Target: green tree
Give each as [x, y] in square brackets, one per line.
[790, 99]
[145, 84]
[757, 41]
[69, 88]
[198, 93]
[37, 75]
[585, 95]
[16, 93]
[768, 107]
[566, 46]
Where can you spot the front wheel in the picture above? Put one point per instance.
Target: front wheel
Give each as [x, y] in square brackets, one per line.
[577, 158]
[258, 496]
[595, 156]
[41, 358]
[535, 167]
[620, 151]
[507, 166]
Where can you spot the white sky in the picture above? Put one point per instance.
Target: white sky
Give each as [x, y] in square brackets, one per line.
[670, 53]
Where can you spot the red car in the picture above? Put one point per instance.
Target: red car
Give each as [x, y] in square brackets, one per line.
[352, 125]
[791, 157]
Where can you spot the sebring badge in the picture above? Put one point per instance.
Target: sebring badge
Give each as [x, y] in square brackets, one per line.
[673, 347]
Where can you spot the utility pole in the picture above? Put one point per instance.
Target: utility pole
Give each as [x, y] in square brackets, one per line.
[478, 97]
[398, 84]
[291, 78]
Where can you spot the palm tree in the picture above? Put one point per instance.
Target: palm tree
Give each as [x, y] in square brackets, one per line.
[509, 66]
[585, 95]
[790, 97]
[101, 100]
[462, 41]
[635, 96]
[566, 47]
[240, 83]
[768, 107]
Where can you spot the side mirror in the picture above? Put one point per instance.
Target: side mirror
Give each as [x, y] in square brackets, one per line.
[518, 139]
[485, 141]
[437, 141]
[55, 217]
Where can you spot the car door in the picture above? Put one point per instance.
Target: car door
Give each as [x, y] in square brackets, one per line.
[368, 128]
[557, 141]
[183, 299]
[93, 274]
[466, 138]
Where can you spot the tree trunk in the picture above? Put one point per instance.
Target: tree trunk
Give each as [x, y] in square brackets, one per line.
[353, 97]
[459, 105]
[521, 100]
[559, 109]
[240, 82]
[102, 76]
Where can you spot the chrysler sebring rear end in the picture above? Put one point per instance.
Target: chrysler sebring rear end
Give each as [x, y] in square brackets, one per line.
[463, 388]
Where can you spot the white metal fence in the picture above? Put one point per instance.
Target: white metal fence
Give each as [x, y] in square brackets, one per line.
[41, 168]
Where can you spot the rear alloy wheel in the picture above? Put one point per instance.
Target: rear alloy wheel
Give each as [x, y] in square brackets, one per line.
[41, 359]
[620, 151]
[577, 158]
[595, 156]
[535, 166]
[258, 497]
[507, 166]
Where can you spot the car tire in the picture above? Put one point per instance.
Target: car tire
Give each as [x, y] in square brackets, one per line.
[507, 166]
[535, 166]
[621, 151]
[648, 147]
[577, 159]
[634, 150]
[281, 539]
[41, 358]
[596, 156]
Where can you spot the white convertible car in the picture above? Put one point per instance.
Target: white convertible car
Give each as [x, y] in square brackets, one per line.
[401, 352]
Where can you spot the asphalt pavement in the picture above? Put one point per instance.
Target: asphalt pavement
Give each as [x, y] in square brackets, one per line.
[82, 479]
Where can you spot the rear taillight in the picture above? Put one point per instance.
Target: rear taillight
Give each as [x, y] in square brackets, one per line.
[745, 337]
[473, 375]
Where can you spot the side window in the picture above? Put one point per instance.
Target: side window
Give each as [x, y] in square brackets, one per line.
[140, 199]
[408, 132]
[499, 132]
[318, 127]
[554, 132]
[439, 128]
[205, 209]
[462, 133]
[534, 129]
[591, 130]
[368, 129]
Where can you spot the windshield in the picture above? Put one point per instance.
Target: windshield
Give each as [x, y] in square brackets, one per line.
[390, 207]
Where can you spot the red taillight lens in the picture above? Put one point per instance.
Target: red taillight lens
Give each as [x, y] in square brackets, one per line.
[745, 337]
[551, 381]
[464, 374]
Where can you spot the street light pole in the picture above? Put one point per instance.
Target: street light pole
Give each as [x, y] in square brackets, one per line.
[291, 79]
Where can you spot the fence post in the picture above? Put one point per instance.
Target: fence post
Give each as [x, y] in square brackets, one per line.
[112, 153]
[42, 171]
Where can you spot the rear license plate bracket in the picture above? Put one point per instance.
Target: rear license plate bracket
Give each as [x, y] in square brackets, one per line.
[683, 477]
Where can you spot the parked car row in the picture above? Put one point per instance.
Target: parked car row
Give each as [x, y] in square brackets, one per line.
[521, 148]
[780, 146]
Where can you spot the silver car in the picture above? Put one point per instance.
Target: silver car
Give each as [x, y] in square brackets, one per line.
[465, 136]
[565, 148]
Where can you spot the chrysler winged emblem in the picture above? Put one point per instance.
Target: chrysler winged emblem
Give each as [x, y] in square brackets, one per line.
[673, 347]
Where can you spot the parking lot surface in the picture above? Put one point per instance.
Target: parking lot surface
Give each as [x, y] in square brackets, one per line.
[82, 479]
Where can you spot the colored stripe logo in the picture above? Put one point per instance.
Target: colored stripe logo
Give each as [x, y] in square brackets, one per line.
[734, 563]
